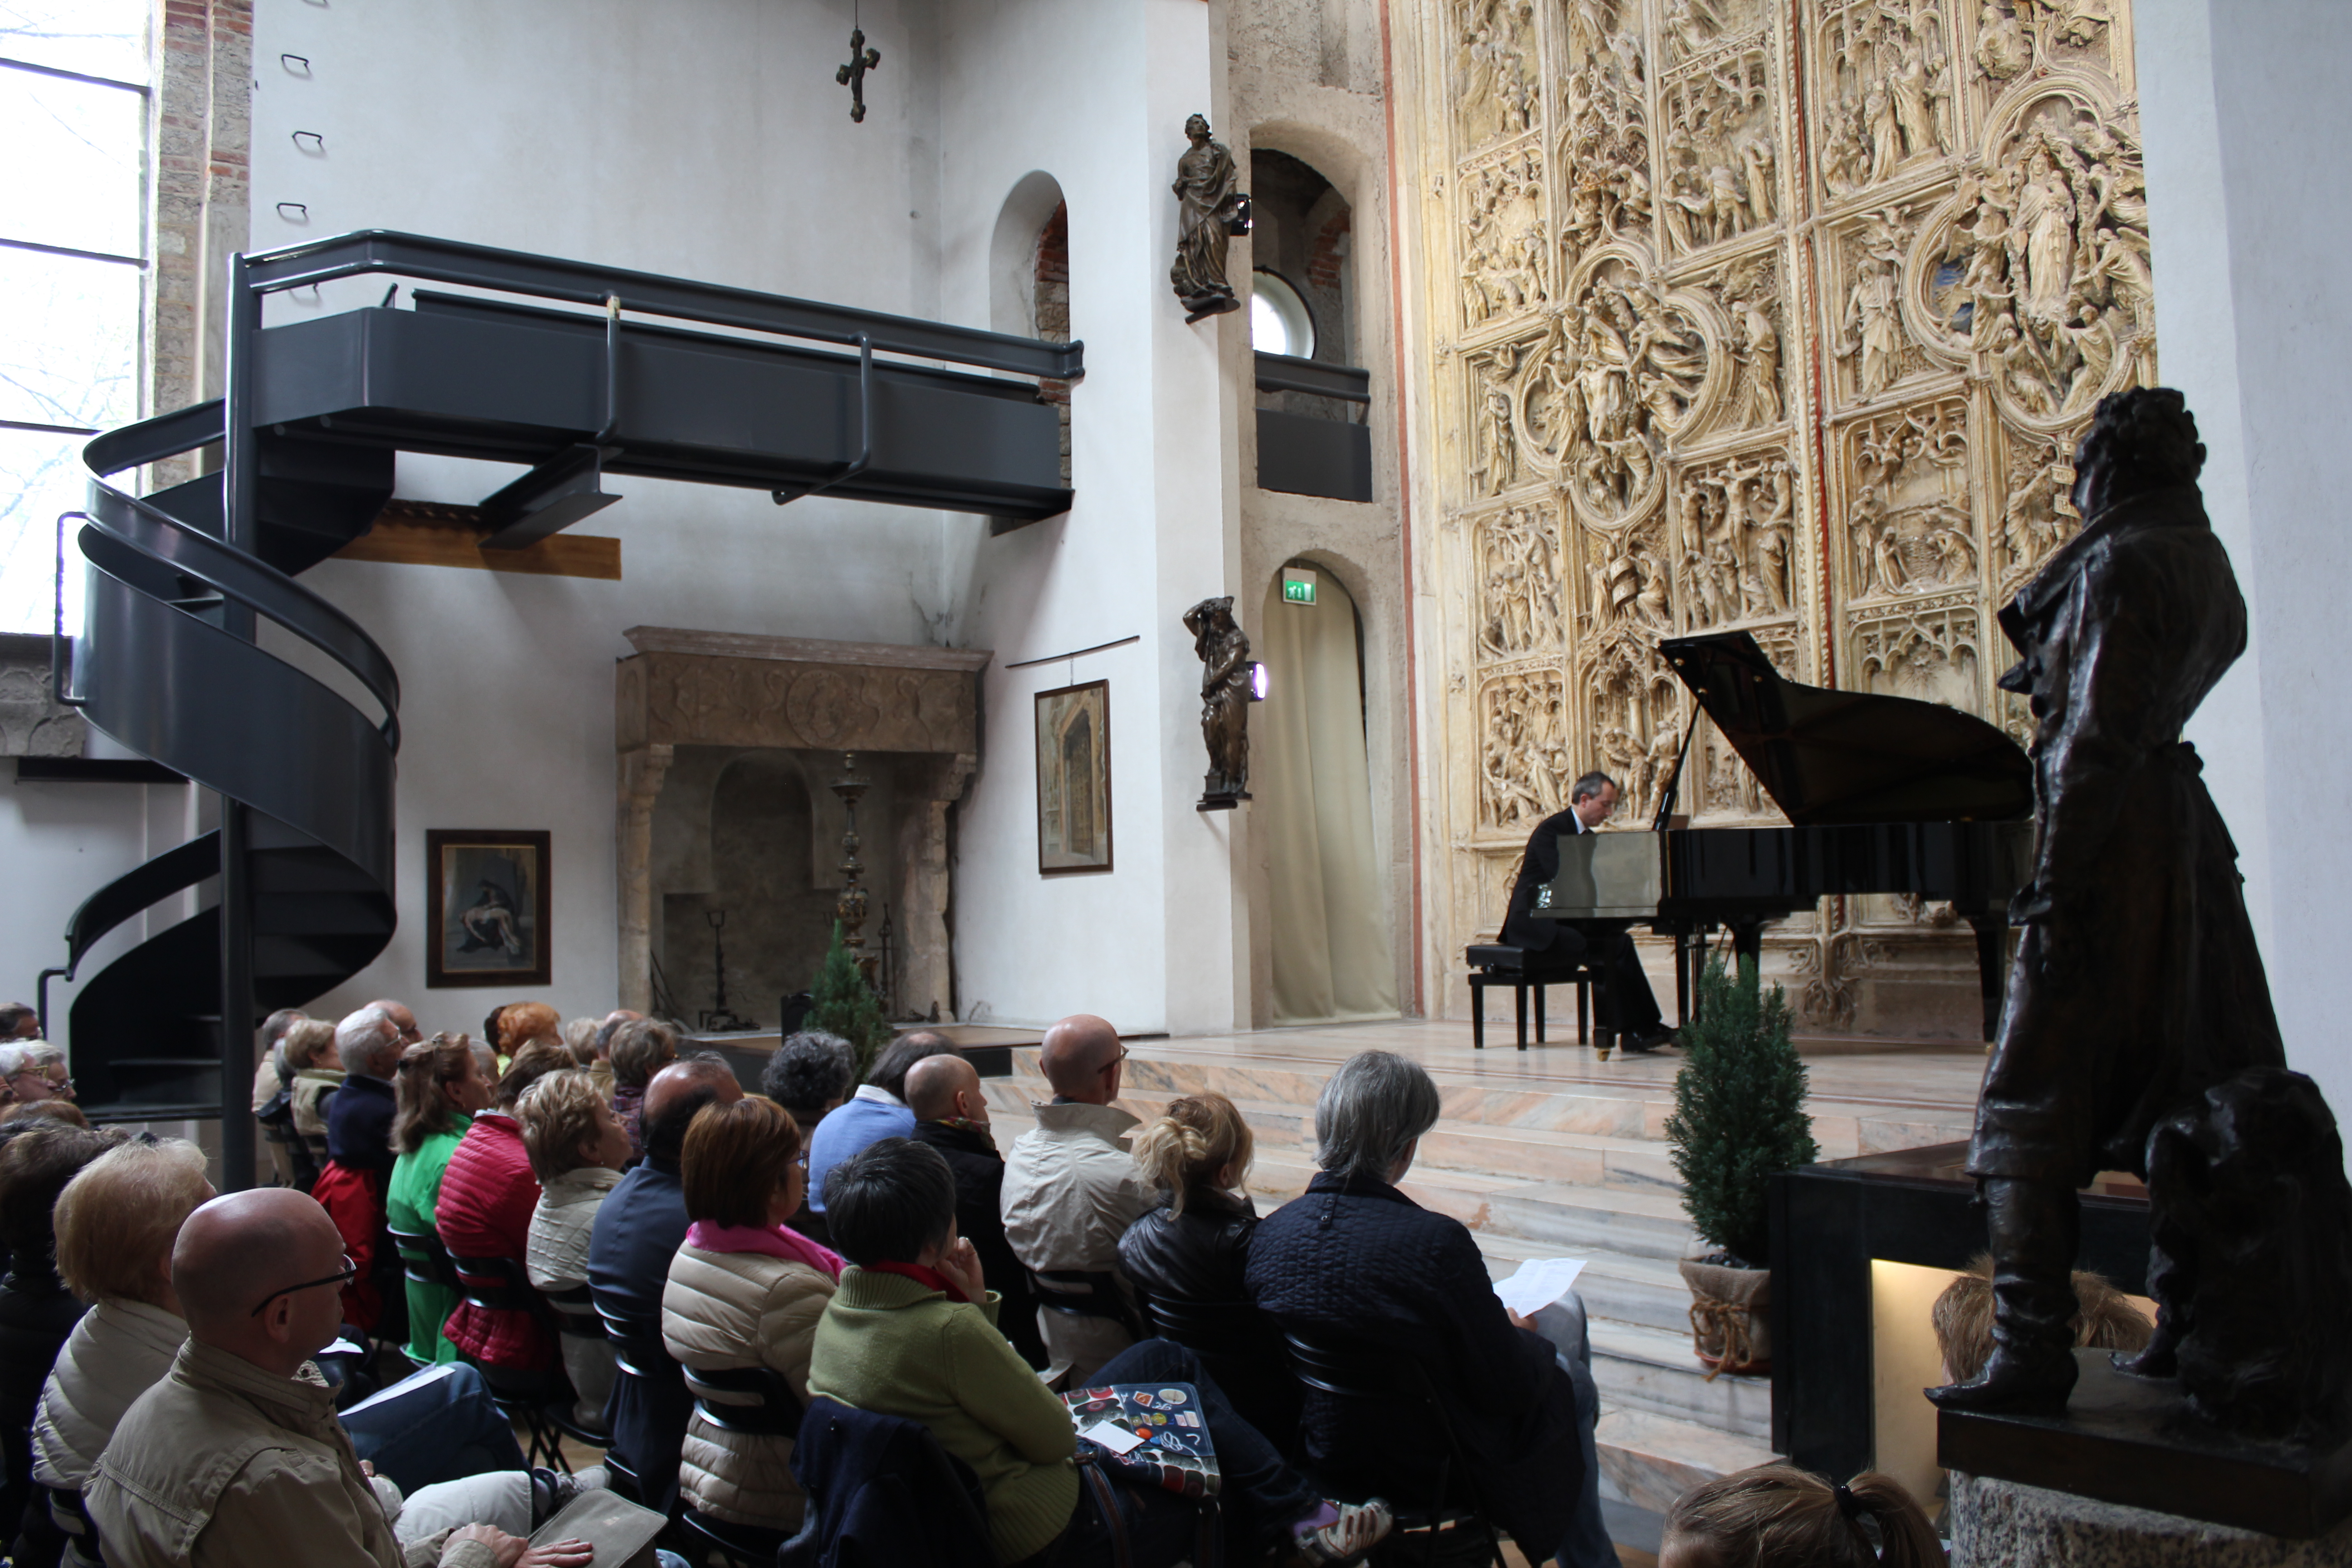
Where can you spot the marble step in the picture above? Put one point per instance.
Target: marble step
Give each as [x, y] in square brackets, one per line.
[1648, 1459]
[1654, 1371]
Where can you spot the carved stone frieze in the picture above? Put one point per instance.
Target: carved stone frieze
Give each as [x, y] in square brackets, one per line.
[1776, 316]
[32, 724]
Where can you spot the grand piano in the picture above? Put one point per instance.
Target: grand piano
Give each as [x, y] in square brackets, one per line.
[1884, 794]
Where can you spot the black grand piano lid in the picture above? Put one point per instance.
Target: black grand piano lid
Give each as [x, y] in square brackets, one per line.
[1829, 757]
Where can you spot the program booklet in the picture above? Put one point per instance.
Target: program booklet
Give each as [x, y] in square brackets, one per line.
[1153, 1433]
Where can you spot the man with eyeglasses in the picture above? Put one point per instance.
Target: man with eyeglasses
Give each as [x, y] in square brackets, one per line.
[1071, 1189]
[32, 1070]
[236, 1456]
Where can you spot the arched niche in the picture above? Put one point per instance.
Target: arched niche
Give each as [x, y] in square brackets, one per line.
[1029, 277]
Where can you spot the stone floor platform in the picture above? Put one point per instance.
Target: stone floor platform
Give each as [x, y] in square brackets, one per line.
[1552, 1152]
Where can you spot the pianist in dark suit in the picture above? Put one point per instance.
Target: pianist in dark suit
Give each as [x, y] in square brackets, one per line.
[1554, 945]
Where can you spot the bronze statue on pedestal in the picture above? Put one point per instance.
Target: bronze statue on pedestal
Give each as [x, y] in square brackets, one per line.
[2138, 1001]
[1226, 676]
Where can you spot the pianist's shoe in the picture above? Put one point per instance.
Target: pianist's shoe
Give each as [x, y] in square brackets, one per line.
[1661, 1036]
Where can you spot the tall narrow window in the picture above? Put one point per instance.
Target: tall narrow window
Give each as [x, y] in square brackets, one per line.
[73, 268]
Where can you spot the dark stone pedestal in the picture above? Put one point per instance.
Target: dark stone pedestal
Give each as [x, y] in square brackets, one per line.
[2131, 1440]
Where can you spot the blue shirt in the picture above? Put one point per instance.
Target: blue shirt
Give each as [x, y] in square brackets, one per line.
[860, 1122]
[639, 1227]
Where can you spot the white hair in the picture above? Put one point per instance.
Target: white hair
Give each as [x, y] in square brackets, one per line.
[366, 1040]
[1369, 1112]
[27, 1056]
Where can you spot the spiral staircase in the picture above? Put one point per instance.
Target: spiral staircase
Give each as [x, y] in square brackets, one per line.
[197, 636]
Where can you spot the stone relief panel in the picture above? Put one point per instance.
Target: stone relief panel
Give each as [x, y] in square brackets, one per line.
[1520, 603]
[1504, 259]
[1603, 124]
[1720, 158]
[1768, 317]
[1494, 69]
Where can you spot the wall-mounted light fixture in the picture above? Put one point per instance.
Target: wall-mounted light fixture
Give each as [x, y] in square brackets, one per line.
[1258, 681]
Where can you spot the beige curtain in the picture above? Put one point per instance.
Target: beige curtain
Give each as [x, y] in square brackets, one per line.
[1313, 803]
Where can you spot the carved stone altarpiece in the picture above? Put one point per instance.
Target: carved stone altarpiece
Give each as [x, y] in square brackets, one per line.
[726, 689]
[1749, 315]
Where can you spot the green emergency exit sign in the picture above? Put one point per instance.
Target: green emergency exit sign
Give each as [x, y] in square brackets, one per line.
[1297, 586]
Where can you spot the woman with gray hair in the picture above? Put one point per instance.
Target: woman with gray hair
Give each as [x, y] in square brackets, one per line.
[1356, 1265]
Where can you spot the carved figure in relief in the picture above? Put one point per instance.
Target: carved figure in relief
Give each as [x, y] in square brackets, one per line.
[1694, 24]
[1890, 92]
[1718, 159]
[1910, 520]
[2003, 51]
[1519, 585]
[1503, 266]
[1603, 125]
[1498, 464]
[2038, 514]
[1494, 94]
[1873, 322]
[2045, 210]
[1758, 351]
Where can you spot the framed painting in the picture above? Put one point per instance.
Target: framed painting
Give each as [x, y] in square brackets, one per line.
[489, 915]
[1074, 779]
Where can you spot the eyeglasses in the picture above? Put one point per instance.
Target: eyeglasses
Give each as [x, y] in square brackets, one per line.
[349, 1272]
[43, 1074]
[1113, 1063]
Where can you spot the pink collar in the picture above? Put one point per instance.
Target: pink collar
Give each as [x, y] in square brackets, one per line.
[775, 1241]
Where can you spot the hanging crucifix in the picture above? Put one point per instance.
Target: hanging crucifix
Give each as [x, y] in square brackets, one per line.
[853, 75]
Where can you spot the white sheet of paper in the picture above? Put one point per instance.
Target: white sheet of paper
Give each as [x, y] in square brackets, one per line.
[1118, 1440]
[1538, 1283]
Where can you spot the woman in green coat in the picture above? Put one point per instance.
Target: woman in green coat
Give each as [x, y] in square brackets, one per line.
[438, 1086]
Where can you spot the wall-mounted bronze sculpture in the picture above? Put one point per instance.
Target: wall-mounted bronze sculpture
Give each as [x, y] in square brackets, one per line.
[1214, 210]
[1227, 677]
[2137, 1002]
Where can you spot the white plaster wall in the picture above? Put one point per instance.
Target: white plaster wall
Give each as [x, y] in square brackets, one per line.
[2245, 121]
[701, 138]
[1095, 96]
[60, 842]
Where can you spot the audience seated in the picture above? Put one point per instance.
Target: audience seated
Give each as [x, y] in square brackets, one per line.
[745, 1290]
[1354, 1261]
[520, 1023]
[951, 1116]
[236, 1457]
[603, 1069]
[1776, 1516]
[32, 1071]
[877, 1110]
[641, 1047]
[270, 1080]
[912, 1332]
[577, 1147]
[487, 1199]
[440, 1087]
[1071, 1189]
[402, 1019]
[638, 1230]
[64, 1110]
[580, 1039]
[1192, 1251]
[2103, 1320]
[19, 1022]
[360, 1156]
[309, 1052]
[36, 1311]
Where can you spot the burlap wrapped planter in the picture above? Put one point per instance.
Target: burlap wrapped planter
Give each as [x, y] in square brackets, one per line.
[1730, 1316]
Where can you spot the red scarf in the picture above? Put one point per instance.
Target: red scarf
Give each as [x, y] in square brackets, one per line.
[929, 1279]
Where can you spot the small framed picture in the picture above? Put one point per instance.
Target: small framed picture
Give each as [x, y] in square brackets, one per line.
[1074, 779]
[488, 916]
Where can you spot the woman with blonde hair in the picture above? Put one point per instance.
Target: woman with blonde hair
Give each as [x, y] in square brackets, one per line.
[745, 1291]
[310, 1054]
[439, 1085]
[1186, 1258]
[577, 1147]
[115, 1222]
[1776, 1516]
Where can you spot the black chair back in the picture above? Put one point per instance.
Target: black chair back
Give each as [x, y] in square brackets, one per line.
[1352, 1369]
[756, 1400]
[575, 1312]
[424, 1259]
[635, 1344]
[499, 1285]
[1209, 1328]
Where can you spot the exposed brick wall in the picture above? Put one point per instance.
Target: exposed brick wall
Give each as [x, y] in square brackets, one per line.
[1330, 251]
[1050, 273]
[200, 133]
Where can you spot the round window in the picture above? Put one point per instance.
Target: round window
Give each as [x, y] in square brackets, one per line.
[1280, 322]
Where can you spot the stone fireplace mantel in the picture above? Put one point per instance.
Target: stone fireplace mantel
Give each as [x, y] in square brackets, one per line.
[684, 688]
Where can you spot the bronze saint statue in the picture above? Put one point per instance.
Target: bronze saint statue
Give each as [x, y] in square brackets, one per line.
[2136, 987]
[1226, 675]
[1214, 209]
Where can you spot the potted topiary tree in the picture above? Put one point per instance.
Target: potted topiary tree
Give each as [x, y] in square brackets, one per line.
[841, 1004]
[1738, 1119]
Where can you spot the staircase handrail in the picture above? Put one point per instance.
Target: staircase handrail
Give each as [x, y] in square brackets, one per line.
[127, 523]
[172, 871]
[455, 262]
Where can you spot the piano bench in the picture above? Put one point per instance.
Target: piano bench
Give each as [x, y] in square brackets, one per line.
[1495, 964]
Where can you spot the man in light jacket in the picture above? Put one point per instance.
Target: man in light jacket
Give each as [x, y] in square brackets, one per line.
[237, 1455]
[1071, 1189]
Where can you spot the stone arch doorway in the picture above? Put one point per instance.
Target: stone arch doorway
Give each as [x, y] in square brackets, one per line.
[1328, 900]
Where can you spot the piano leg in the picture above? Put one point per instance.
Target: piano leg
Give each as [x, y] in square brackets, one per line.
[1992, 965]
[1747, 942]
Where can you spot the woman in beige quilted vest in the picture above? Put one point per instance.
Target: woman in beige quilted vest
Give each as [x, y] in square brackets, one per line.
[744, 1292]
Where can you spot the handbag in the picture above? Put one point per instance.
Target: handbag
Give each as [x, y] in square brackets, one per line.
[1173, 1449]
